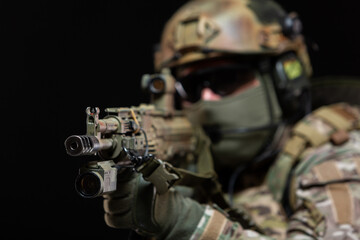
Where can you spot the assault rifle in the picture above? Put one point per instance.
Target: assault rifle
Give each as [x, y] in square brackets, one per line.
[144, 138]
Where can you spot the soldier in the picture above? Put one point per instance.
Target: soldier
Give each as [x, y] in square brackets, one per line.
[242, 72]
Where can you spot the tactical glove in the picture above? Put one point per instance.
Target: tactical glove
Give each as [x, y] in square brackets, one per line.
[136, 205]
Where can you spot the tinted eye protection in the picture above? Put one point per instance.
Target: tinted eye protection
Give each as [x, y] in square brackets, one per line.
[222, 80]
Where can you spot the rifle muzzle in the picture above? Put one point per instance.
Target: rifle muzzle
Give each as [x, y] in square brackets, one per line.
[77, 145]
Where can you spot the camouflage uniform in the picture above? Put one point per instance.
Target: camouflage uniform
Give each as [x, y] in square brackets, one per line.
[311, 190]
[324, 191]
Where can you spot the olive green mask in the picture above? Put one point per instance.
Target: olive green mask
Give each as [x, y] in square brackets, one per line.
[240, 125]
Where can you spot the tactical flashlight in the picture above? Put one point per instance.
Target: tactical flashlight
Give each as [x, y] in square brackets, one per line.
[96, 178]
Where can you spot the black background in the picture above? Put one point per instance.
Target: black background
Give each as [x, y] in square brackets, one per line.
[58, 57]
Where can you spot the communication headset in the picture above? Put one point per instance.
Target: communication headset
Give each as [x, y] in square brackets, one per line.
[288, 73]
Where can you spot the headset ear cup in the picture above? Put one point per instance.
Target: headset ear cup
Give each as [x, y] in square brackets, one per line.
[292, 86]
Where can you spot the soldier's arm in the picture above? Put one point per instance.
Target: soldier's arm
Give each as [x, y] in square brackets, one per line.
[214, 225]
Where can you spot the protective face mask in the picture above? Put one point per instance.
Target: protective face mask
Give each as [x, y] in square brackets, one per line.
[239, 126]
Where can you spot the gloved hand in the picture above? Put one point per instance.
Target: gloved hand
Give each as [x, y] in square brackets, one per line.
[136, 205]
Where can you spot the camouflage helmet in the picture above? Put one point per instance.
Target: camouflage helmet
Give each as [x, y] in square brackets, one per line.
[204, 29]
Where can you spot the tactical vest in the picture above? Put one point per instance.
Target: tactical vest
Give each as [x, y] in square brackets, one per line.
[325, 127]
[330, 123]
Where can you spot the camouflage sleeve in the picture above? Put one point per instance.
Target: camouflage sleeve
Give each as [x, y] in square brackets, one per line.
[327, 193]
[215, 225]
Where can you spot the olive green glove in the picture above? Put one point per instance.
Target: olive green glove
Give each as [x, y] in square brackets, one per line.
[135, 205]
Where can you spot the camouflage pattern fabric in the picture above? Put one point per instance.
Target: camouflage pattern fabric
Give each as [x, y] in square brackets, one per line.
[265, 211]
[326, 196]
[328, 182]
